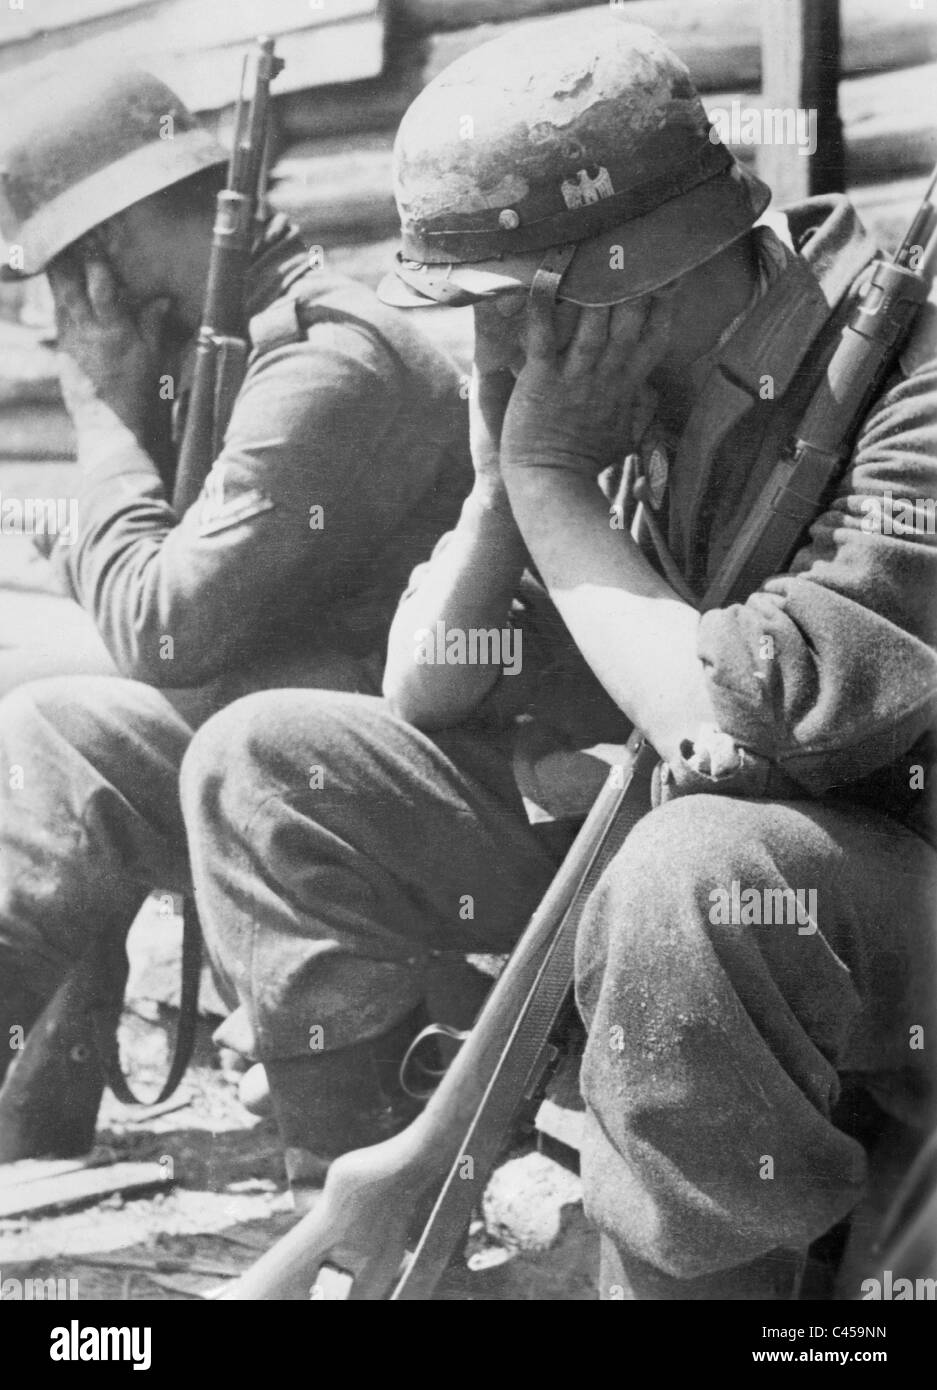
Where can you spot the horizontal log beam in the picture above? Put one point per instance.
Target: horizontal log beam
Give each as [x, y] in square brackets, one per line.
[721, 43]
[437, 16]
[337, 187]
[349, 108]
[198, 48]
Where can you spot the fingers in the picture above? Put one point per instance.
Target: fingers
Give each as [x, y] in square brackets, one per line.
[628, 322]
[639, 337]
[150, 321]
[541, 329]
[102, 291]
[84, 291]
[66, 281]
[589, 341]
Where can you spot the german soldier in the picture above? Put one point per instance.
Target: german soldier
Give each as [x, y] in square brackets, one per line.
[632, 301]
[343, 460]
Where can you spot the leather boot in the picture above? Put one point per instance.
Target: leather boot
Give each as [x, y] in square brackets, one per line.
[328, 1103]
[19, 1010]
[50, 1096]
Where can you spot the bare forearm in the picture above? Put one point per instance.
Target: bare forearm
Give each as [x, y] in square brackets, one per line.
[636, 634]
[468, 585]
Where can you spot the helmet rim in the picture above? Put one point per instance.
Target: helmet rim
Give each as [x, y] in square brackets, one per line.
[651, 251]
[65, 218]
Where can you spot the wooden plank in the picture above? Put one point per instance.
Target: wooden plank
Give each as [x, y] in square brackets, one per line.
[27, 1171]
[35, 22]
[49, 1188]
[800, 56]
[210, 24]
[436, 16]
[721, 43]
[35, 431]
[349, 108]
[889, 132]
[198, 45]
[209, 80]
[332, 188]
[202, 23]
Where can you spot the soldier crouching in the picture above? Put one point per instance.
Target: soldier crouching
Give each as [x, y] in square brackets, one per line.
[631, 302]
[345, 455]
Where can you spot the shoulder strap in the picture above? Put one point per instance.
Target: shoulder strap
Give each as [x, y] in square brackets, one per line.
[318, 296]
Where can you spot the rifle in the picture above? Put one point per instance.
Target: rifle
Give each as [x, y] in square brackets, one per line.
[222, 348]
[353, 1242]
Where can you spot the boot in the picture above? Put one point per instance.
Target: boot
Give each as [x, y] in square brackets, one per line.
[50, 1096]
[328, 1103]
[19, 1010]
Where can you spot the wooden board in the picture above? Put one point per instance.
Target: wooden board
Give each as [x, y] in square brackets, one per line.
[36, 431]
[434, 16]
[800, 48]
[37, 1185]
[198, 45]
[205, 23]
[348, 108]
[35, 20]
[720, 40]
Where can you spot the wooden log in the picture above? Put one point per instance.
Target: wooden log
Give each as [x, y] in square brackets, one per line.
[36, 431]
[342, 190]
[331, 189]
[28, 370]
[45, 1187]
[349, 108]
[437, 16]
[198, 45]
[721, 44]
[888, 129]
[800, 56]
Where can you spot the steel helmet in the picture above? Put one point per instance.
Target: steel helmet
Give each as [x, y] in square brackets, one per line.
[78, 146]
[585, 139]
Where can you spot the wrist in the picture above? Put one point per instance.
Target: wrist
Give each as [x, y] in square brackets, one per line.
[489, 499]
[491, 529]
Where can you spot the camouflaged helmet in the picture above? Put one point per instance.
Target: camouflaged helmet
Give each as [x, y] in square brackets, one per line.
[581, 150]
[76, 147]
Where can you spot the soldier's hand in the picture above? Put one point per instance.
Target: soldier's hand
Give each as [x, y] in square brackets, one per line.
[108, 353]
[583, 407]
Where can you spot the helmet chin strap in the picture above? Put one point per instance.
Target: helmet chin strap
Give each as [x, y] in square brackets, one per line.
[556, 262]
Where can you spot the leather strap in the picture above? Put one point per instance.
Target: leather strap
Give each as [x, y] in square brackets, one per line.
[105, 1036]
[556, 262]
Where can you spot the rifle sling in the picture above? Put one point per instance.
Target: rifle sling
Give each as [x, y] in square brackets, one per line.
[105, 1036]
